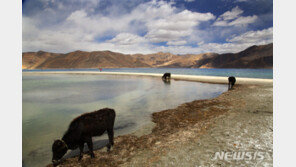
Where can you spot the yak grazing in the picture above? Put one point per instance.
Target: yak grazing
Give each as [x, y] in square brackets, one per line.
[166, 76]
[231, 82]
[82, 129]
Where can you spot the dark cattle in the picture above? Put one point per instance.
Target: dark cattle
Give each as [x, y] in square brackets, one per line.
[231, 82]
[166, 76]
[82, 129]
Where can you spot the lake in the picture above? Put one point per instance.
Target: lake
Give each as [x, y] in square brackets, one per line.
[51, 101]
[245, 73]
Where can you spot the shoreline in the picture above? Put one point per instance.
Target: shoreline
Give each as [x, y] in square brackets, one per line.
[196, 78]
[237, 120]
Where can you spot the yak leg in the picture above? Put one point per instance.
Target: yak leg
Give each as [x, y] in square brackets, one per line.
[110, 136]
[81, 146]
[228, 85]
[90, 147]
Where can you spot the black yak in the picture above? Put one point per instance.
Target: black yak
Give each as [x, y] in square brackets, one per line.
[166, 76]
[231, 82]
[82, 129]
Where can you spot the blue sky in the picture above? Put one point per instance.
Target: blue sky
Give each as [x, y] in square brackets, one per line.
[142, 26]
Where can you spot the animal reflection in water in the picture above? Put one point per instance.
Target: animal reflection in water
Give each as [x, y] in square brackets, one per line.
[81, 130]
[231, 82]
[166, 78]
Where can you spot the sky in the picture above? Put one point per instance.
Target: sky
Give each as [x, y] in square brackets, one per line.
[146, 26]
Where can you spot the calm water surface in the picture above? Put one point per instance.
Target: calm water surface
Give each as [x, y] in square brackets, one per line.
[245, 73]
[50, 102]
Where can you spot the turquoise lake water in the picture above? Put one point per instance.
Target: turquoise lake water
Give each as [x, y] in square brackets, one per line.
[51, 101]
[246, 73]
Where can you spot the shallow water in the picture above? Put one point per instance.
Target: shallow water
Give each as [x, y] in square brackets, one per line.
[50, 102]
[245, 73]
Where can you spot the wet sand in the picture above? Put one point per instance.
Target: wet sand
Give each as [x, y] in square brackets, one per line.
[189, 135]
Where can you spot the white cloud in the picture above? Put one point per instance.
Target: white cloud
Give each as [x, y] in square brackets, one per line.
[200, 43]
[229, 15]
[176, 42]
[254, 37]
[224, 47]
[81, 29]
[234, 18]
[127, 39]
[235, 44]
[173, 25]
[241, 42]
[243, 20]
[137, 30]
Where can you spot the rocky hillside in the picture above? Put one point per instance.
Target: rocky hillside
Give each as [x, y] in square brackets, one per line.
[79, 59]
[252, 57]
[170, 60]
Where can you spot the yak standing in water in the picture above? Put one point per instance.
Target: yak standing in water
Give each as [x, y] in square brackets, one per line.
[166, 76]
[231, 82]
[82, 129]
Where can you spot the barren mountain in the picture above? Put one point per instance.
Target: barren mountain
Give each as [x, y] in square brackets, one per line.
[79, 59]
[32, 60]
[252, 57]
[161, 59]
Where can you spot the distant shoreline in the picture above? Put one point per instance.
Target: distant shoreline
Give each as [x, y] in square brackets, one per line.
[198, 78]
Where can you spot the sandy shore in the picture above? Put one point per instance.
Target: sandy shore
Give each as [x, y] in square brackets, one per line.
[191, 134]
[207, 79]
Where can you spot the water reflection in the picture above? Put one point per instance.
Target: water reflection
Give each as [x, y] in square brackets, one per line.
[166, 81]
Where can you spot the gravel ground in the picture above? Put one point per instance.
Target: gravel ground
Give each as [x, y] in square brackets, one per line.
[244, 128]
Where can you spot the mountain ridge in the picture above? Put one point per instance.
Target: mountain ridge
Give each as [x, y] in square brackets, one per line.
[253, 57]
